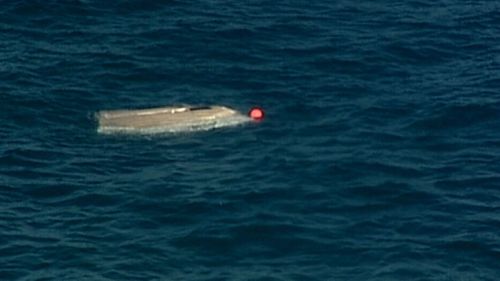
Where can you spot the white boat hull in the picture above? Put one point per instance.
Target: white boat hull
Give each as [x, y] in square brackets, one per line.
[168, 119]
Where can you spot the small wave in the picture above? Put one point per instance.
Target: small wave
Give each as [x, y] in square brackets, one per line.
[448, 117]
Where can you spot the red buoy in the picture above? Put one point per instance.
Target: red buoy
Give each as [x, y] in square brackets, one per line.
[256, 113]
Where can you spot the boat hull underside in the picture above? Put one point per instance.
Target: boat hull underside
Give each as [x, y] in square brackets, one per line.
[167, 119]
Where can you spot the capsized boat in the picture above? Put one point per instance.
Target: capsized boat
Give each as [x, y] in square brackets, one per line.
[169, 119]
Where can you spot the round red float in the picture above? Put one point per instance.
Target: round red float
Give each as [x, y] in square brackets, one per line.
[256, 113]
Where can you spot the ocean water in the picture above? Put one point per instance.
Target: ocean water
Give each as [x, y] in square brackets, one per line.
[378, 158]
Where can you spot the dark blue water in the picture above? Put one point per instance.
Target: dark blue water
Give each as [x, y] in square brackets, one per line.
[378, 159]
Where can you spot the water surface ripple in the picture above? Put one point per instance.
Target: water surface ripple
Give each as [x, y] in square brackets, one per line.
[378, 159]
